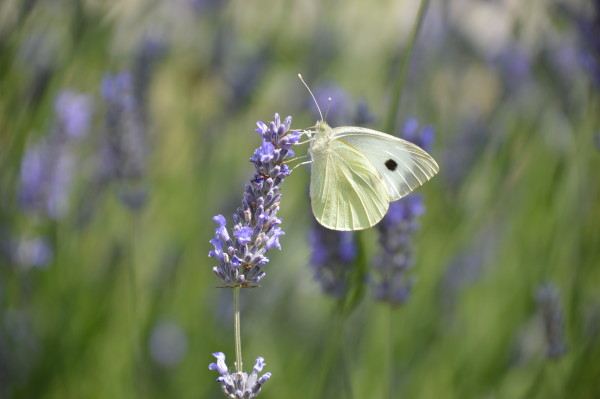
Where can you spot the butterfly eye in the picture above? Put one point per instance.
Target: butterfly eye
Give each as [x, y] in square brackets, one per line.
[391, 164]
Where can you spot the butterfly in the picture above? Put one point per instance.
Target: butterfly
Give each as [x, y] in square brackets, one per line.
[356, 173]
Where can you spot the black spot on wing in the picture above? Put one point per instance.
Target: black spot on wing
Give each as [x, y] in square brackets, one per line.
[391, 164]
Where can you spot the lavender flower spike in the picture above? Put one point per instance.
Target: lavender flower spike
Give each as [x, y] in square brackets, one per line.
[390, 283]
[256, 230]
[48, 166]
[549, 304]
[333, 254]
[239, 385]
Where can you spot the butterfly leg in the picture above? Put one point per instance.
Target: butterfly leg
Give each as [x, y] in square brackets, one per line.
[304, 142]
[295, 159]
[300, 164]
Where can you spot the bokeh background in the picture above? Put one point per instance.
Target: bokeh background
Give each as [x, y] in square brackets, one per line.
[125, 126]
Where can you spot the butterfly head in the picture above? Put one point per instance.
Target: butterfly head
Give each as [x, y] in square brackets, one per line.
[322, 128]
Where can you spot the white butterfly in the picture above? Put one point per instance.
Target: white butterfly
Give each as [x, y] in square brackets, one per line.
[356, 173]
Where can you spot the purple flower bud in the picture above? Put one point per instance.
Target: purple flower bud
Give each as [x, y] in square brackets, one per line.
[273, 241]
[262, 128]
[259, 365]
[220, 365]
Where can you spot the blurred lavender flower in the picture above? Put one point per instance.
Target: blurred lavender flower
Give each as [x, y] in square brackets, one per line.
[390, 283]
[74, 113]
[244, 75]
[47, 166]
[588, 26]
[343, 109]
[340, 110]
[123, 156]
[256, 228]
[461, 153]
[514, 65]
[31, 252]
[149, 52]
[548, 299]
[332, 255]
[239, 385]
[206, 6]
[167, 344]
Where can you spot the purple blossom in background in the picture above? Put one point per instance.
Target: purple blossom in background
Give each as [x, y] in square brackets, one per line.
[124, 152]
[340, 109]
[463, 151]
[549, 303]
[73, 112]
[47, 166]
[151, 50]
[514, 65]
[423, 136]
[206, 7]
[332, 255]
[343, 109]
[167, 344]
[390, 283]
[31, 252]
[588, 29]
[242, 73]
[256, 230]
[240, 385]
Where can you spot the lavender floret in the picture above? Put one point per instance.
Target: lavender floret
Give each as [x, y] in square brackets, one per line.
[256, 230]
[240, 385]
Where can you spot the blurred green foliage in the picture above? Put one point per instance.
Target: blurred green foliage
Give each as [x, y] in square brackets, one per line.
[515, 204]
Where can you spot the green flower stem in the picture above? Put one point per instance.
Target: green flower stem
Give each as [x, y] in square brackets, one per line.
[238, 335]
[390, 124]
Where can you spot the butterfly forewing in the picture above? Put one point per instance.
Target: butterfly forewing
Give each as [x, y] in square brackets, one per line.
[402, 165]
[347, 192]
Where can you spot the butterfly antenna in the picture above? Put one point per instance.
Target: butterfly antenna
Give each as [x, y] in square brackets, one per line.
[313, 96]
[329, 100]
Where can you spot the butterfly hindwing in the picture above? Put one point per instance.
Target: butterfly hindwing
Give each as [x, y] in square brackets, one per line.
[402, 165]
[347, 191]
